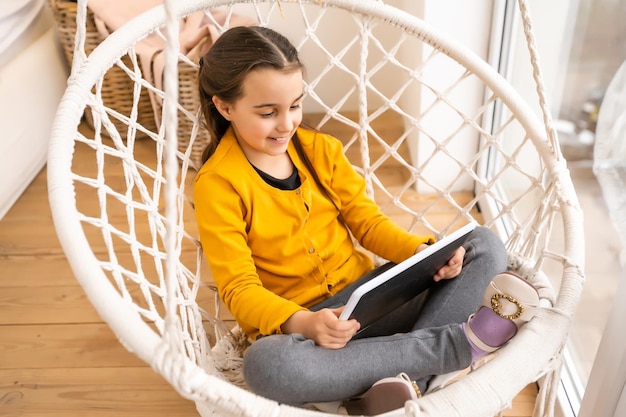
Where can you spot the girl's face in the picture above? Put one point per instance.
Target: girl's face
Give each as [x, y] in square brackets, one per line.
[267, 114]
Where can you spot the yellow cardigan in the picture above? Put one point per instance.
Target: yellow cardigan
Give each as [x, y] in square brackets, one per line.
[273, 252]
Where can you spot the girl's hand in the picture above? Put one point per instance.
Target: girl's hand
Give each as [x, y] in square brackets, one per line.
[453, 268]
[323, 327]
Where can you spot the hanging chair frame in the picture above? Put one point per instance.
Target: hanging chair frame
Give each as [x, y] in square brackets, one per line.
[495, 383]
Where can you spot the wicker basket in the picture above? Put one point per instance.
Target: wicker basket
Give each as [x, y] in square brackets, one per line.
[117, 88]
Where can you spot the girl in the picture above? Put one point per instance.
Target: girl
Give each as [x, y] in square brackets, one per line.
[276, 205]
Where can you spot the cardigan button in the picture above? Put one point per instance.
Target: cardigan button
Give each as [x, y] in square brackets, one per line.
[298, 191]
[311, 250]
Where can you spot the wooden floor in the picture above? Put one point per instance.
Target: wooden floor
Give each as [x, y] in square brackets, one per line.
[57, 357]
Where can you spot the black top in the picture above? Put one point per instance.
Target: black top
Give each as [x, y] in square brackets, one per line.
[290, 183]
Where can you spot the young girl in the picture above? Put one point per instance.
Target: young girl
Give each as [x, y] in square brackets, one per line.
[276, 205]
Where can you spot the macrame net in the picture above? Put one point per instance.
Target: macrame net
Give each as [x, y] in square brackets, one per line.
[402, 97]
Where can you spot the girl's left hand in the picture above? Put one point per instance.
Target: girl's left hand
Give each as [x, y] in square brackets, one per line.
[453, 268]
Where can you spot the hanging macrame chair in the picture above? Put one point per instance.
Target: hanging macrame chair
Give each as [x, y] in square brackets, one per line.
[130, 236]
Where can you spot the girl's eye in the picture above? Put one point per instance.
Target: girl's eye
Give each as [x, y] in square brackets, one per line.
[274, 112]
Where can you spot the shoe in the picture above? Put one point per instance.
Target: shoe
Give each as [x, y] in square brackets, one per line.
[385, 395]
[511, 298]
[522, 298]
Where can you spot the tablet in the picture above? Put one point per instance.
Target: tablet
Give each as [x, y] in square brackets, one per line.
[398, 283]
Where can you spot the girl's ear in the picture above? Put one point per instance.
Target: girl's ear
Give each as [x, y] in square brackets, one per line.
[222, 107]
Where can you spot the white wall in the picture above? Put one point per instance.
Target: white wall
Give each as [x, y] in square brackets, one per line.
[470, 24]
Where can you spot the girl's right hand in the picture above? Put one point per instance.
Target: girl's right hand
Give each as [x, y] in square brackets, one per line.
[323, 327]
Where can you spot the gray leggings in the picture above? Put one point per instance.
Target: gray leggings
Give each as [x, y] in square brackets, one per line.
[421, 338]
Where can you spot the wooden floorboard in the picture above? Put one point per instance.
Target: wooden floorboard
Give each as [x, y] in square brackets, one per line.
[57, 357]
[105, 391]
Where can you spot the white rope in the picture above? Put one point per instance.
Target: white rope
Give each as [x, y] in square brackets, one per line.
[81, 29]
[541, 92]
[365, 31]
[172, 332]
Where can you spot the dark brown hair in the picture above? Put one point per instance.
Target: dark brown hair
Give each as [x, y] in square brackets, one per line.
[232, 57]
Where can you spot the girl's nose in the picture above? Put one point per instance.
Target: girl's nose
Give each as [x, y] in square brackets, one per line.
[285, 122]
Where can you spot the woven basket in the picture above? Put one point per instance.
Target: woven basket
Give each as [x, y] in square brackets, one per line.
[117, 87]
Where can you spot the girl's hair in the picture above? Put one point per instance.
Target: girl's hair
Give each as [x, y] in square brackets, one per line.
[230, 59]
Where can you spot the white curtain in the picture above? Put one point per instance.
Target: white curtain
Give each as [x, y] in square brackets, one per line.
[16, 16]
[33, 76]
